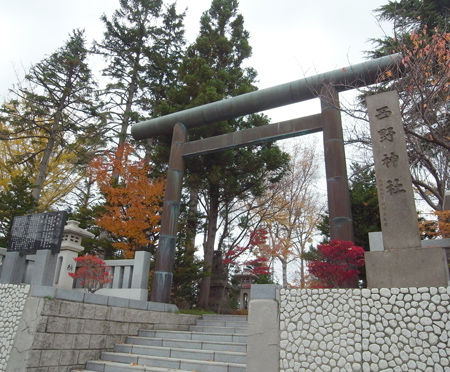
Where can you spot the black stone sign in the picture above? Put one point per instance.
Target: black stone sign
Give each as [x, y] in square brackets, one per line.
[37, 231]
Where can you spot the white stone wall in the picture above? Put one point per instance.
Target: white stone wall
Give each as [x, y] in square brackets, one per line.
[398, 329]
[12, 303]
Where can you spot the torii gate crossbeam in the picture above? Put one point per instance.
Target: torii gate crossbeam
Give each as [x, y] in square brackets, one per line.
[326, 86]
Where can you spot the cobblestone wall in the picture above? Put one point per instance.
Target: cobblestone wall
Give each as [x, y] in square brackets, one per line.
[12, 303]
[406, 329]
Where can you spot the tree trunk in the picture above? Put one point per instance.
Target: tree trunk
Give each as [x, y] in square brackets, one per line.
[126, 116]
[302, 270]
[208, 248]
[43, 168]
[192, 221]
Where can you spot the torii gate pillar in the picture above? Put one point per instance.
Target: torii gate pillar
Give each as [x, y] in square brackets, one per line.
[341, 223]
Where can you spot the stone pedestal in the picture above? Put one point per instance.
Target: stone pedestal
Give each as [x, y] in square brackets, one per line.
[44, 268]
[13, 268]
[403, 263]
[408, 267]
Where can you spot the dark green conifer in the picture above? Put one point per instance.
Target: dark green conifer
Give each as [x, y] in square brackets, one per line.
[142, 46]
[213, 69]
[16, 200]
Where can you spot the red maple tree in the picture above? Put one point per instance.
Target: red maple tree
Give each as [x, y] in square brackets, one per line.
[257, 265]
[92, 272]
[337, 264]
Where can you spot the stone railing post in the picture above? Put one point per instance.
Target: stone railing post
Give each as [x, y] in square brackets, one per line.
[141, 270]
[263, 349]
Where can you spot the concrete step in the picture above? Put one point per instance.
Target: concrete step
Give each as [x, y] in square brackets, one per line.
[180, 363]
[222, 323]
[217, 343]
[170, 352]
[216, 329]
[221, 317]
[198, 336]
[188, 344]
[104, 366]
[171, 327]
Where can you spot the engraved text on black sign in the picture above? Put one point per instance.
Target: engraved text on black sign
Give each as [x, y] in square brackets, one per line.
[37, 231]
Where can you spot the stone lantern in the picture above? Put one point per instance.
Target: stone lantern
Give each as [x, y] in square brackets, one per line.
[70, 247]
[246, 278]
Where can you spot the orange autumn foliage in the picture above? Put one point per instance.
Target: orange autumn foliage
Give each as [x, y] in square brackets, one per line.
[133, 200]
[439, 228]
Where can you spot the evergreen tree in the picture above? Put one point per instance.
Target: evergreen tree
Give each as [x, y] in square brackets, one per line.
[87, 207]
[16, 200]
[142, 46]
[364, 205]
[213, 70]
[408, 16]
[56, 108]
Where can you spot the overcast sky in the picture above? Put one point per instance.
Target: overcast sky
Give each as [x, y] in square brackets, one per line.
[290, 38]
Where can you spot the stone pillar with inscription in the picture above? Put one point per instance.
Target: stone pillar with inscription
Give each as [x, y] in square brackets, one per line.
[403, 263]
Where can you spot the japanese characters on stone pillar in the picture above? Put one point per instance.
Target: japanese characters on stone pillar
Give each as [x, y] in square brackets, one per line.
[403, 263]
[395, 194]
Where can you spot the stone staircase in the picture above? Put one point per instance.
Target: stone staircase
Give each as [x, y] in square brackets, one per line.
[217, 343]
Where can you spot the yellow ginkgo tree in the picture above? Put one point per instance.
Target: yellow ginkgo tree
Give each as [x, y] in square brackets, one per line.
[21, 155]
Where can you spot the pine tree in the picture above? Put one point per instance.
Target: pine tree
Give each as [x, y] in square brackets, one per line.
[56, 107]
[213, 70]
[142, 46]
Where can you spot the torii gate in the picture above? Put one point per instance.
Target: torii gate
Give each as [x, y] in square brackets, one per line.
[326, 86]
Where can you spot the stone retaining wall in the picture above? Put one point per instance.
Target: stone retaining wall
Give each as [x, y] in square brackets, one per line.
[398, 329]
[57, 335]
[12, 303]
